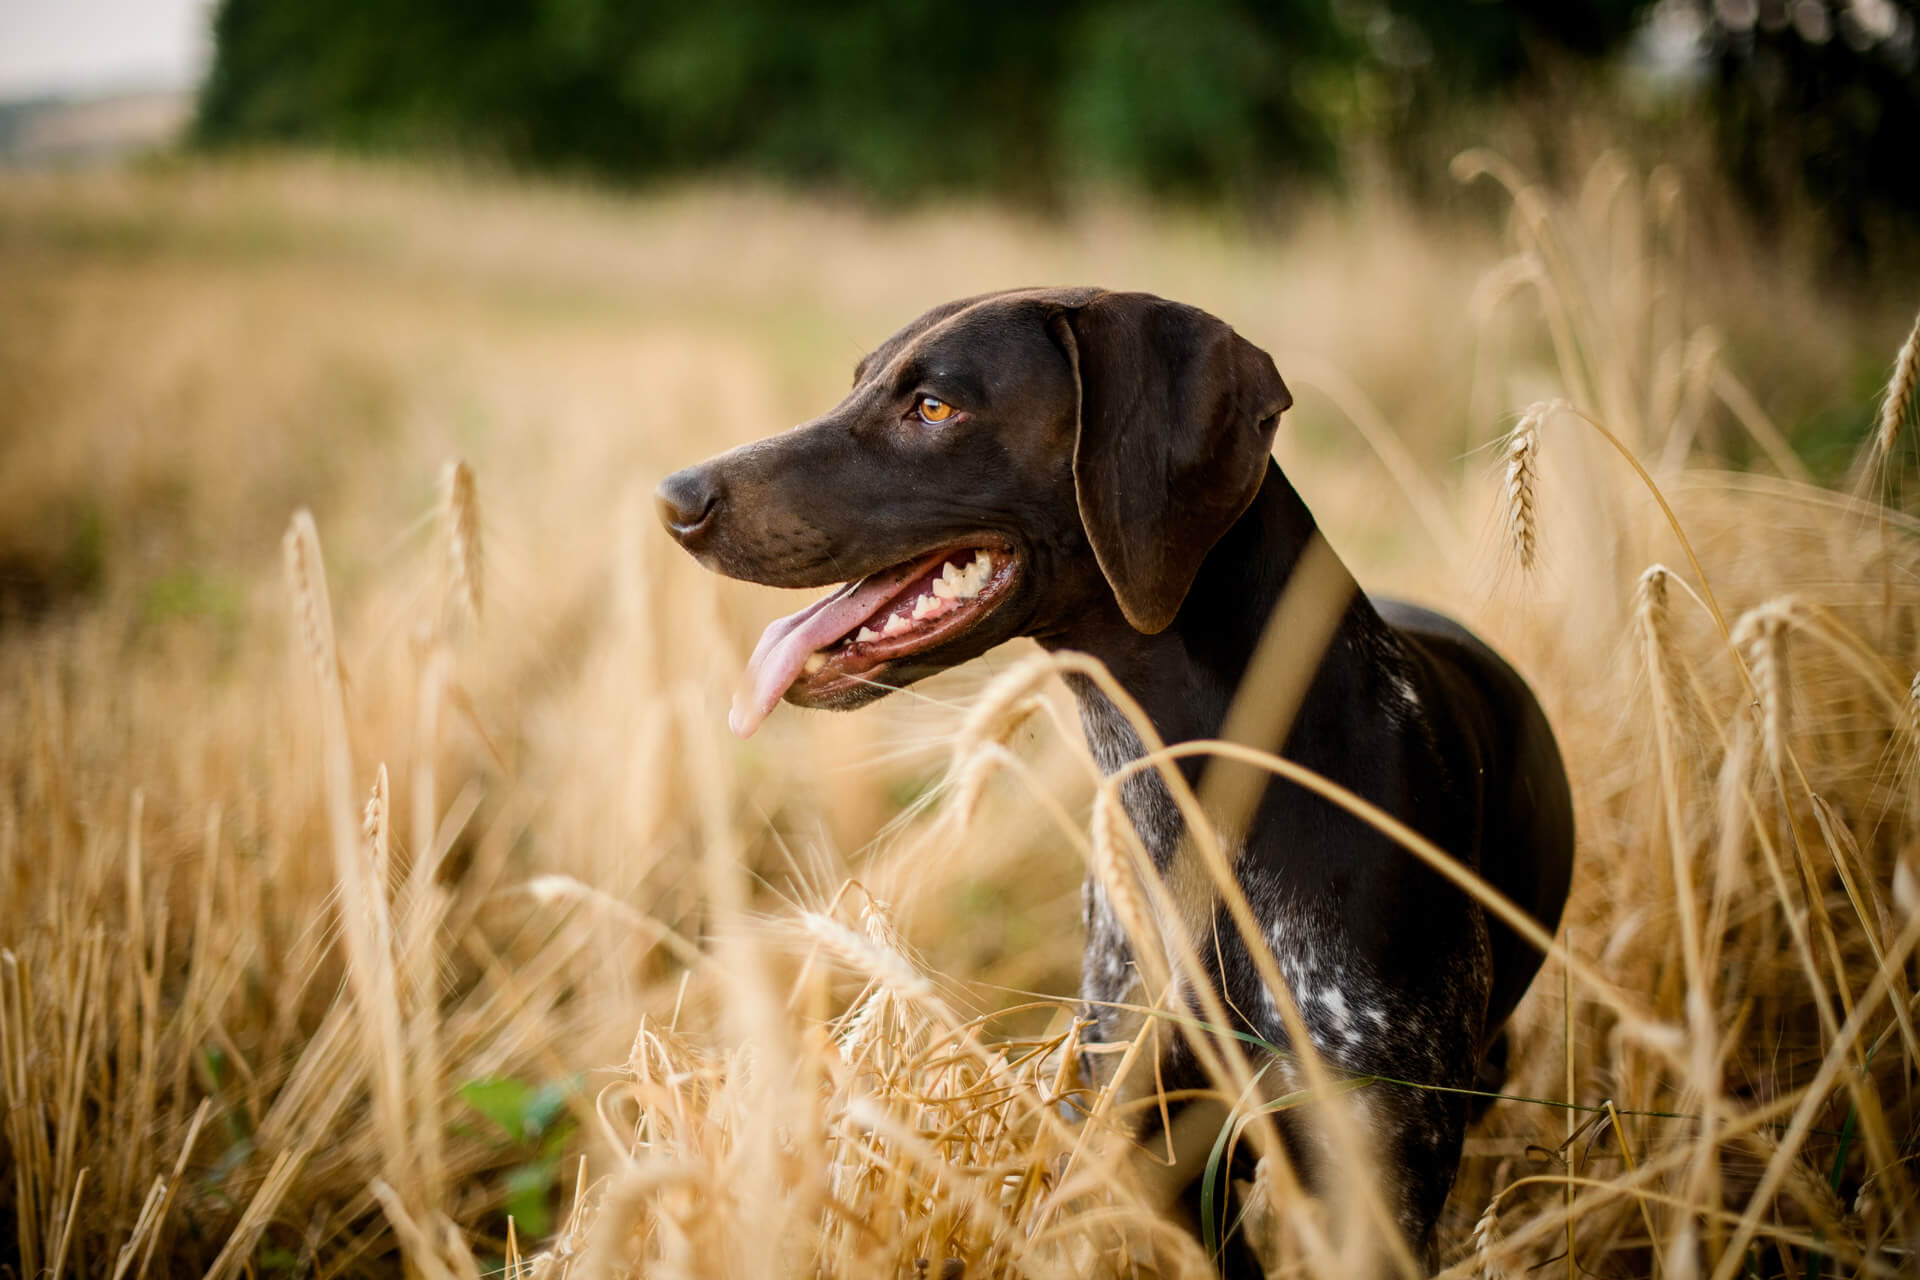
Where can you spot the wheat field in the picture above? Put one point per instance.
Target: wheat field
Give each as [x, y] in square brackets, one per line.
[383, 894]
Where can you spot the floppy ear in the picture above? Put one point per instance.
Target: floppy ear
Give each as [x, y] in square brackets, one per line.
[1177, 415]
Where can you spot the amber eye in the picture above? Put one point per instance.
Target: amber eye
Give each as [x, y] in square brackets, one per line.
[933, 410]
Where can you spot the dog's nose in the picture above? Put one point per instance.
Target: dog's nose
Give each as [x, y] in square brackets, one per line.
[687, 501]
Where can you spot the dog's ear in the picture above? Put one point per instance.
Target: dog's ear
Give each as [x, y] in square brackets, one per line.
[1177, 415]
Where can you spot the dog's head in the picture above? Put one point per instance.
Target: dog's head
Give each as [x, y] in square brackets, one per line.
[1002, 465]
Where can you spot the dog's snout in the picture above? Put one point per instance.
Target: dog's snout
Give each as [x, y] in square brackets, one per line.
[687, 501]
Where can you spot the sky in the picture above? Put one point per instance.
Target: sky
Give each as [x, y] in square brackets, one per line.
[79, 45]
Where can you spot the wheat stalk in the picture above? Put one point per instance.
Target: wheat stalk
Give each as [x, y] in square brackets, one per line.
[1683, 1251]
[369, 956]
[258, 1215]
[460, 514]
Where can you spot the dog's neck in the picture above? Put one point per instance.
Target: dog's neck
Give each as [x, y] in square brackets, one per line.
[1186, 676]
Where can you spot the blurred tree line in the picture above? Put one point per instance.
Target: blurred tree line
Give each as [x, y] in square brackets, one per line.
[903, 98]
[1819, 101]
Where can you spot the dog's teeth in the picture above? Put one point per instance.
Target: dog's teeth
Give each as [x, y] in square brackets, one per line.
[815, 662]
[895, 626]
[922, 607]
[867, 634]
[983, 561]
[949, 572]
[943, 587]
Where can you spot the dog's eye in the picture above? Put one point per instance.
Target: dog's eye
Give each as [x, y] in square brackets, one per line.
[933, 410]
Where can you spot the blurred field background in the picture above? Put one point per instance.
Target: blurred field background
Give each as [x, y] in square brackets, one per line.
[383, 894]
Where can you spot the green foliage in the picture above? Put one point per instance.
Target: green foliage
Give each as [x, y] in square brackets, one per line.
[1192, 97]
[1821, 103]
[898, 98]
[190, 594]
[521, 1111]
[532, 1120]
[1815, 101]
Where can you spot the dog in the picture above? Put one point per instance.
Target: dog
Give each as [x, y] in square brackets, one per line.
[1094, 469]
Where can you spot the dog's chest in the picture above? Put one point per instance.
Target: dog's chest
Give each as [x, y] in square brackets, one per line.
[1106, 972]
[1351, 1014]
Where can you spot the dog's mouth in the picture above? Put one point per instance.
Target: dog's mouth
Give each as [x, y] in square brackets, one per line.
[851, 635]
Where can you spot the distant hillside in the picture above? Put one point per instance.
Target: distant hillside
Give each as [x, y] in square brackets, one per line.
[68, 131]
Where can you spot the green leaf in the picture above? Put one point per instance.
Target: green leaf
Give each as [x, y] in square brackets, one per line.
[529, 1195]
[278, 1261]
[548, 1103]
[503, 1100]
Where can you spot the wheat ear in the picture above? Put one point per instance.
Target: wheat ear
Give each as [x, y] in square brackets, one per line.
[1484, 1232]
[1762, 632]
[1906, 881]
[877, 962]
[1113, 872]
[1004, 705]
[1523, 451]
[1653, 614]
[312, 612]
[375, 826]
[460, 513]
[1900, 392]
[1906, 867]
[979, 751]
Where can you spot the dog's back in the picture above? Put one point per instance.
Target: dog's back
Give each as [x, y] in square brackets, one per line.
[1526, 847]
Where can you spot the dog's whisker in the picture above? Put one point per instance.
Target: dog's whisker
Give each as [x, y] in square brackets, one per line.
[909, 690]
[905, 753]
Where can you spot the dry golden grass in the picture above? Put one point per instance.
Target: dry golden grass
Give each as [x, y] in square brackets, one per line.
[344, 922]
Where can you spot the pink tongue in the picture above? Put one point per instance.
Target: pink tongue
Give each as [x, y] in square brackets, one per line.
[788, 642]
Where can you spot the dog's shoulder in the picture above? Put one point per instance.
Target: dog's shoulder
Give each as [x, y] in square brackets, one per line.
[1476, 684]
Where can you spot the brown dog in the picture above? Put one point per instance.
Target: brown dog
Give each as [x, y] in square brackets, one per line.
[1093, 469]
